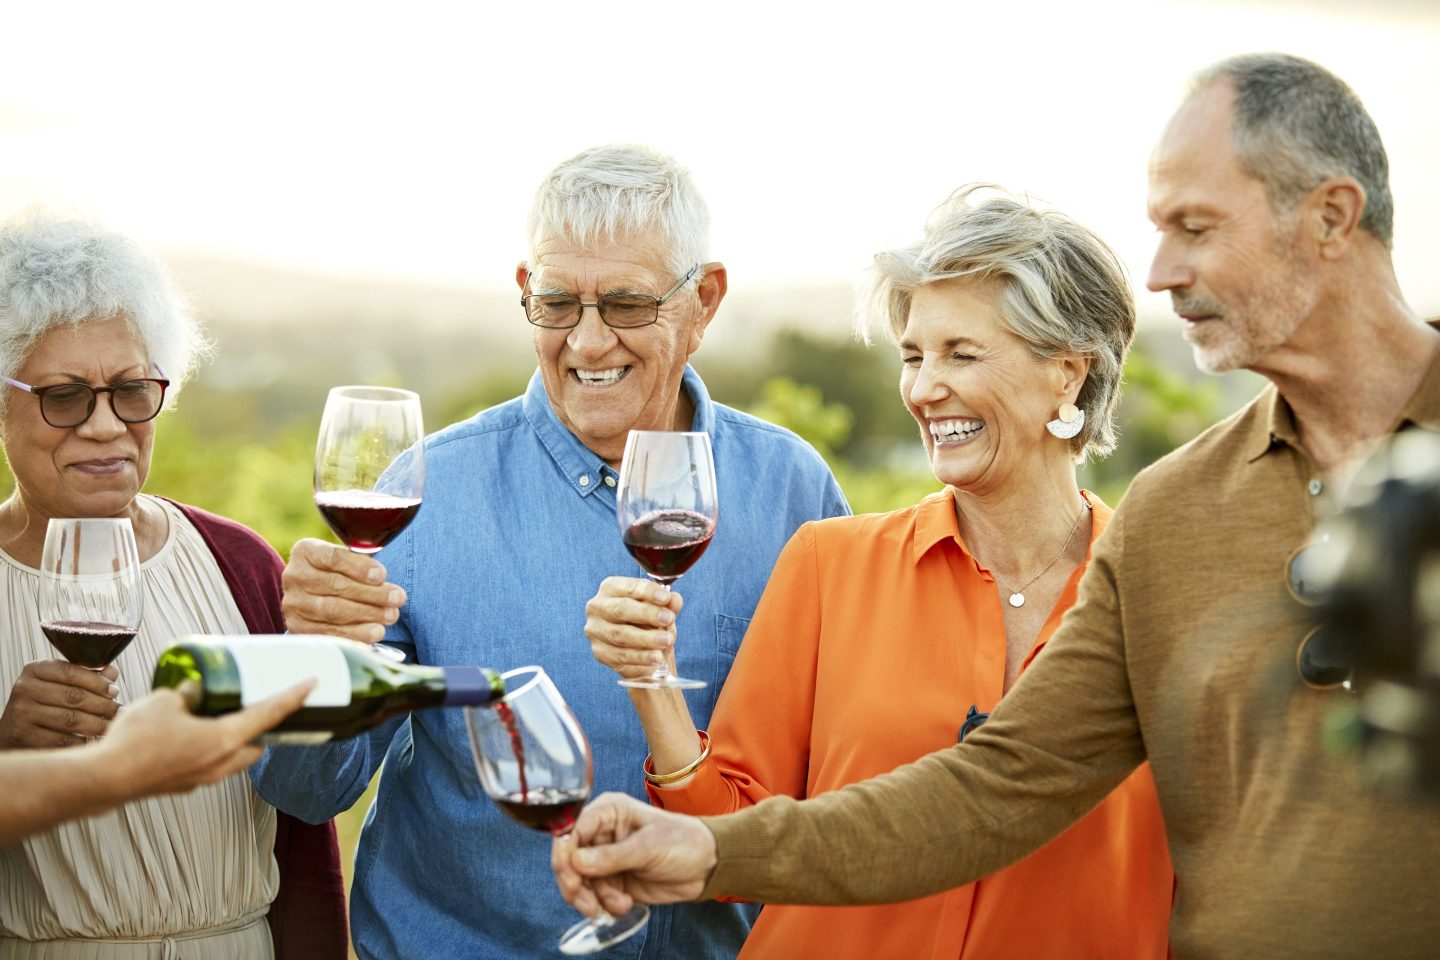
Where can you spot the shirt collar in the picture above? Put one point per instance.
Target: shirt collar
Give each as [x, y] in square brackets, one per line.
[582, 469]
[935, 521]
[1271, 424]
[1274, 423]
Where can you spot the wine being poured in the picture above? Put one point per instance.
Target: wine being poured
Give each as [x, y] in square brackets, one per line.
[534, 762]
[356, 690]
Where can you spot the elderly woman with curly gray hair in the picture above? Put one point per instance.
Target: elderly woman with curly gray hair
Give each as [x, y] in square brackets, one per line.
[93, 341]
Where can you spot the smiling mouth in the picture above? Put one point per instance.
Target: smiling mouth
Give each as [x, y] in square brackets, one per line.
[955, 431]
[600, 378]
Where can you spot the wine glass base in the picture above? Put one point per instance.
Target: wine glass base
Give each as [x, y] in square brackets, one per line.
[667, 682]
[602, 932]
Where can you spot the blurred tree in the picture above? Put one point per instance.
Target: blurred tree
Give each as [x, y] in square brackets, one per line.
[800, 407]
[1160, 409]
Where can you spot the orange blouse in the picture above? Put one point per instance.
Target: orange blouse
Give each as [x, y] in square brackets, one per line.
[874, 636]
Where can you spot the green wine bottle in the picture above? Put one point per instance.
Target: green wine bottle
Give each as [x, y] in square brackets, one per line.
[357, 689]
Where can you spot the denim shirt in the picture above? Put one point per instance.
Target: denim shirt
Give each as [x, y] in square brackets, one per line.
[517, 530]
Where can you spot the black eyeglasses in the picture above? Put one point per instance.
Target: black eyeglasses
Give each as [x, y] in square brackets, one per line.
[65, 405]
[1321, 659]
[560, 311]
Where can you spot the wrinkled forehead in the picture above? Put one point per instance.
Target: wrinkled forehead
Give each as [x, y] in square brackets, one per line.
[1194, 160]
[112, 342]
[567, 264]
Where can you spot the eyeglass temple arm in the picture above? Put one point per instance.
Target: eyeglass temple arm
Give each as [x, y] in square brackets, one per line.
[29, 389]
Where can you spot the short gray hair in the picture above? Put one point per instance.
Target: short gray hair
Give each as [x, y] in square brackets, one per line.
[1062, 290]
[57, 272]
[619, 192]
[1296, 125]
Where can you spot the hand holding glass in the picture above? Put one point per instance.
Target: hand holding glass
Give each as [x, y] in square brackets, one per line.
[534, 762]
[370, 468]
[90, 592]
[668, 509]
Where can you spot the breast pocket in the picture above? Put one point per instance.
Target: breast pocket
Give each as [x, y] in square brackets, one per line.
[729, 632]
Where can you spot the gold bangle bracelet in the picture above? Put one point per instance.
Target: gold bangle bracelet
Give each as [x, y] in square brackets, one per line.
[662, 779]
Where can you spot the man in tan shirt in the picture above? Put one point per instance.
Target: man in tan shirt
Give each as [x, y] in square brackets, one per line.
[1269, 189]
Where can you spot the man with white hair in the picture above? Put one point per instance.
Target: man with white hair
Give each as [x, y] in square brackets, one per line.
[518, 526]
[1270, 193]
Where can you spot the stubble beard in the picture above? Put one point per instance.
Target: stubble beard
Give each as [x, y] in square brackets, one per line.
[1244, 333]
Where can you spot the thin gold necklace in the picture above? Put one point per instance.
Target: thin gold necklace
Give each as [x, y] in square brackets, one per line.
[1017, 597]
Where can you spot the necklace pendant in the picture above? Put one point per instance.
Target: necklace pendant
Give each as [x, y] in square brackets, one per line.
[1017, 599]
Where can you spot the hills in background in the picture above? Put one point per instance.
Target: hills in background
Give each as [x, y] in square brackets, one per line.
[284, 337]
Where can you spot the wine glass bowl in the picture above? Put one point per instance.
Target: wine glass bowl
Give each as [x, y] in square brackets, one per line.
[370, 468]
[90, 595]
[531, 756]
[534, 762]
[667, 507]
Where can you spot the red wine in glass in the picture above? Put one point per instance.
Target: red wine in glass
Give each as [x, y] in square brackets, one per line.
[534, 762]
[545, 808]
[365, 520]
[90, 588]
[667, 507]
[666, 542]
[370, 468]
[87, 642]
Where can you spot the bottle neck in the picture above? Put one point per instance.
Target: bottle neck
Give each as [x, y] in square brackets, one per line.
[471, 686]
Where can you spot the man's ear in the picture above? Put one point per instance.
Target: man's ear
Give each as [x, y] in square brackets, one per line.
[522, 274]
[1336, 207]
[709, 291]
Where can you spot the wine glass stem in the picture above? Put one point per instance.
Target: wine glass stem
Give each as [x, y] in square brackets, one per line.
[661, 673]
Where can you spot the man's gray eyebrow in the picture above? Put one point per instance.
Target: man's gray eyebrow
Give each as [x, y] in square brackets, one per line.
[550, 291]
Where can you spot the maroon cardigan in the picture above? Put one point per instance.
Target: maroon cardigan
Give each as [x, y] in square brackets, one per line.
[307, 919]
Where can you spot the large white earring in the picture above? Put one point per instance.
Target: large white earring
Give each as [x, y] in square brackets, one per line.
[1070, 422]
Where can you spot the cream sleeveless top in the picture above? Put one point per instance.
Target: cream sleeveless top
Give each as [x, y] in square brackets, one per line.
[182, 876]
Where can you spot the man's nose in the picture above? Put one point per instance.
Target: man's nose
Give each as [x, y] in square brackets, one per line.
[1168, 271]
[590, 337]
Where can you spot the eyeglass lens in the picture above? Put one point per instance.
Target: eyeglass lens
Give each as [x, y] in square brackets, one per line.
[70, 404]
[615, 310]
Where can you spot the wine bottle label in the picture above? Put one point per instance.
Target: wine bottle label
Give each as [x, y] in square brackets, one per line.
[269, 666]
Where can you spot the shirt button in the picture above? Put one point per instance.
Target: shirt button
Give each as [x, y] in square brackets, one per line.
[584, 481]
[609, 481]
[1315, 486]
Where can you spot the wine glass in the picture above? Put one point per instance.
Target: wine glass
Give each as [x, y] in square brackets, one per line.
[667, 510]
[534, 762]
[90, 594]
[370, 468]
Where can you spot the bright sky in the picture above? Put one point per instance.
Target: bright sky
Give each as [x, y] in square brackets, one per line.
[405, 140]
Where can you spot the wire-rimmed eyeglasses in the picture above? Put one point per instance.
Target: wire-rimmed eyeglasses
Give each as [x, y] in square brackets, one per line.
[560, 311]
[66, 405]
